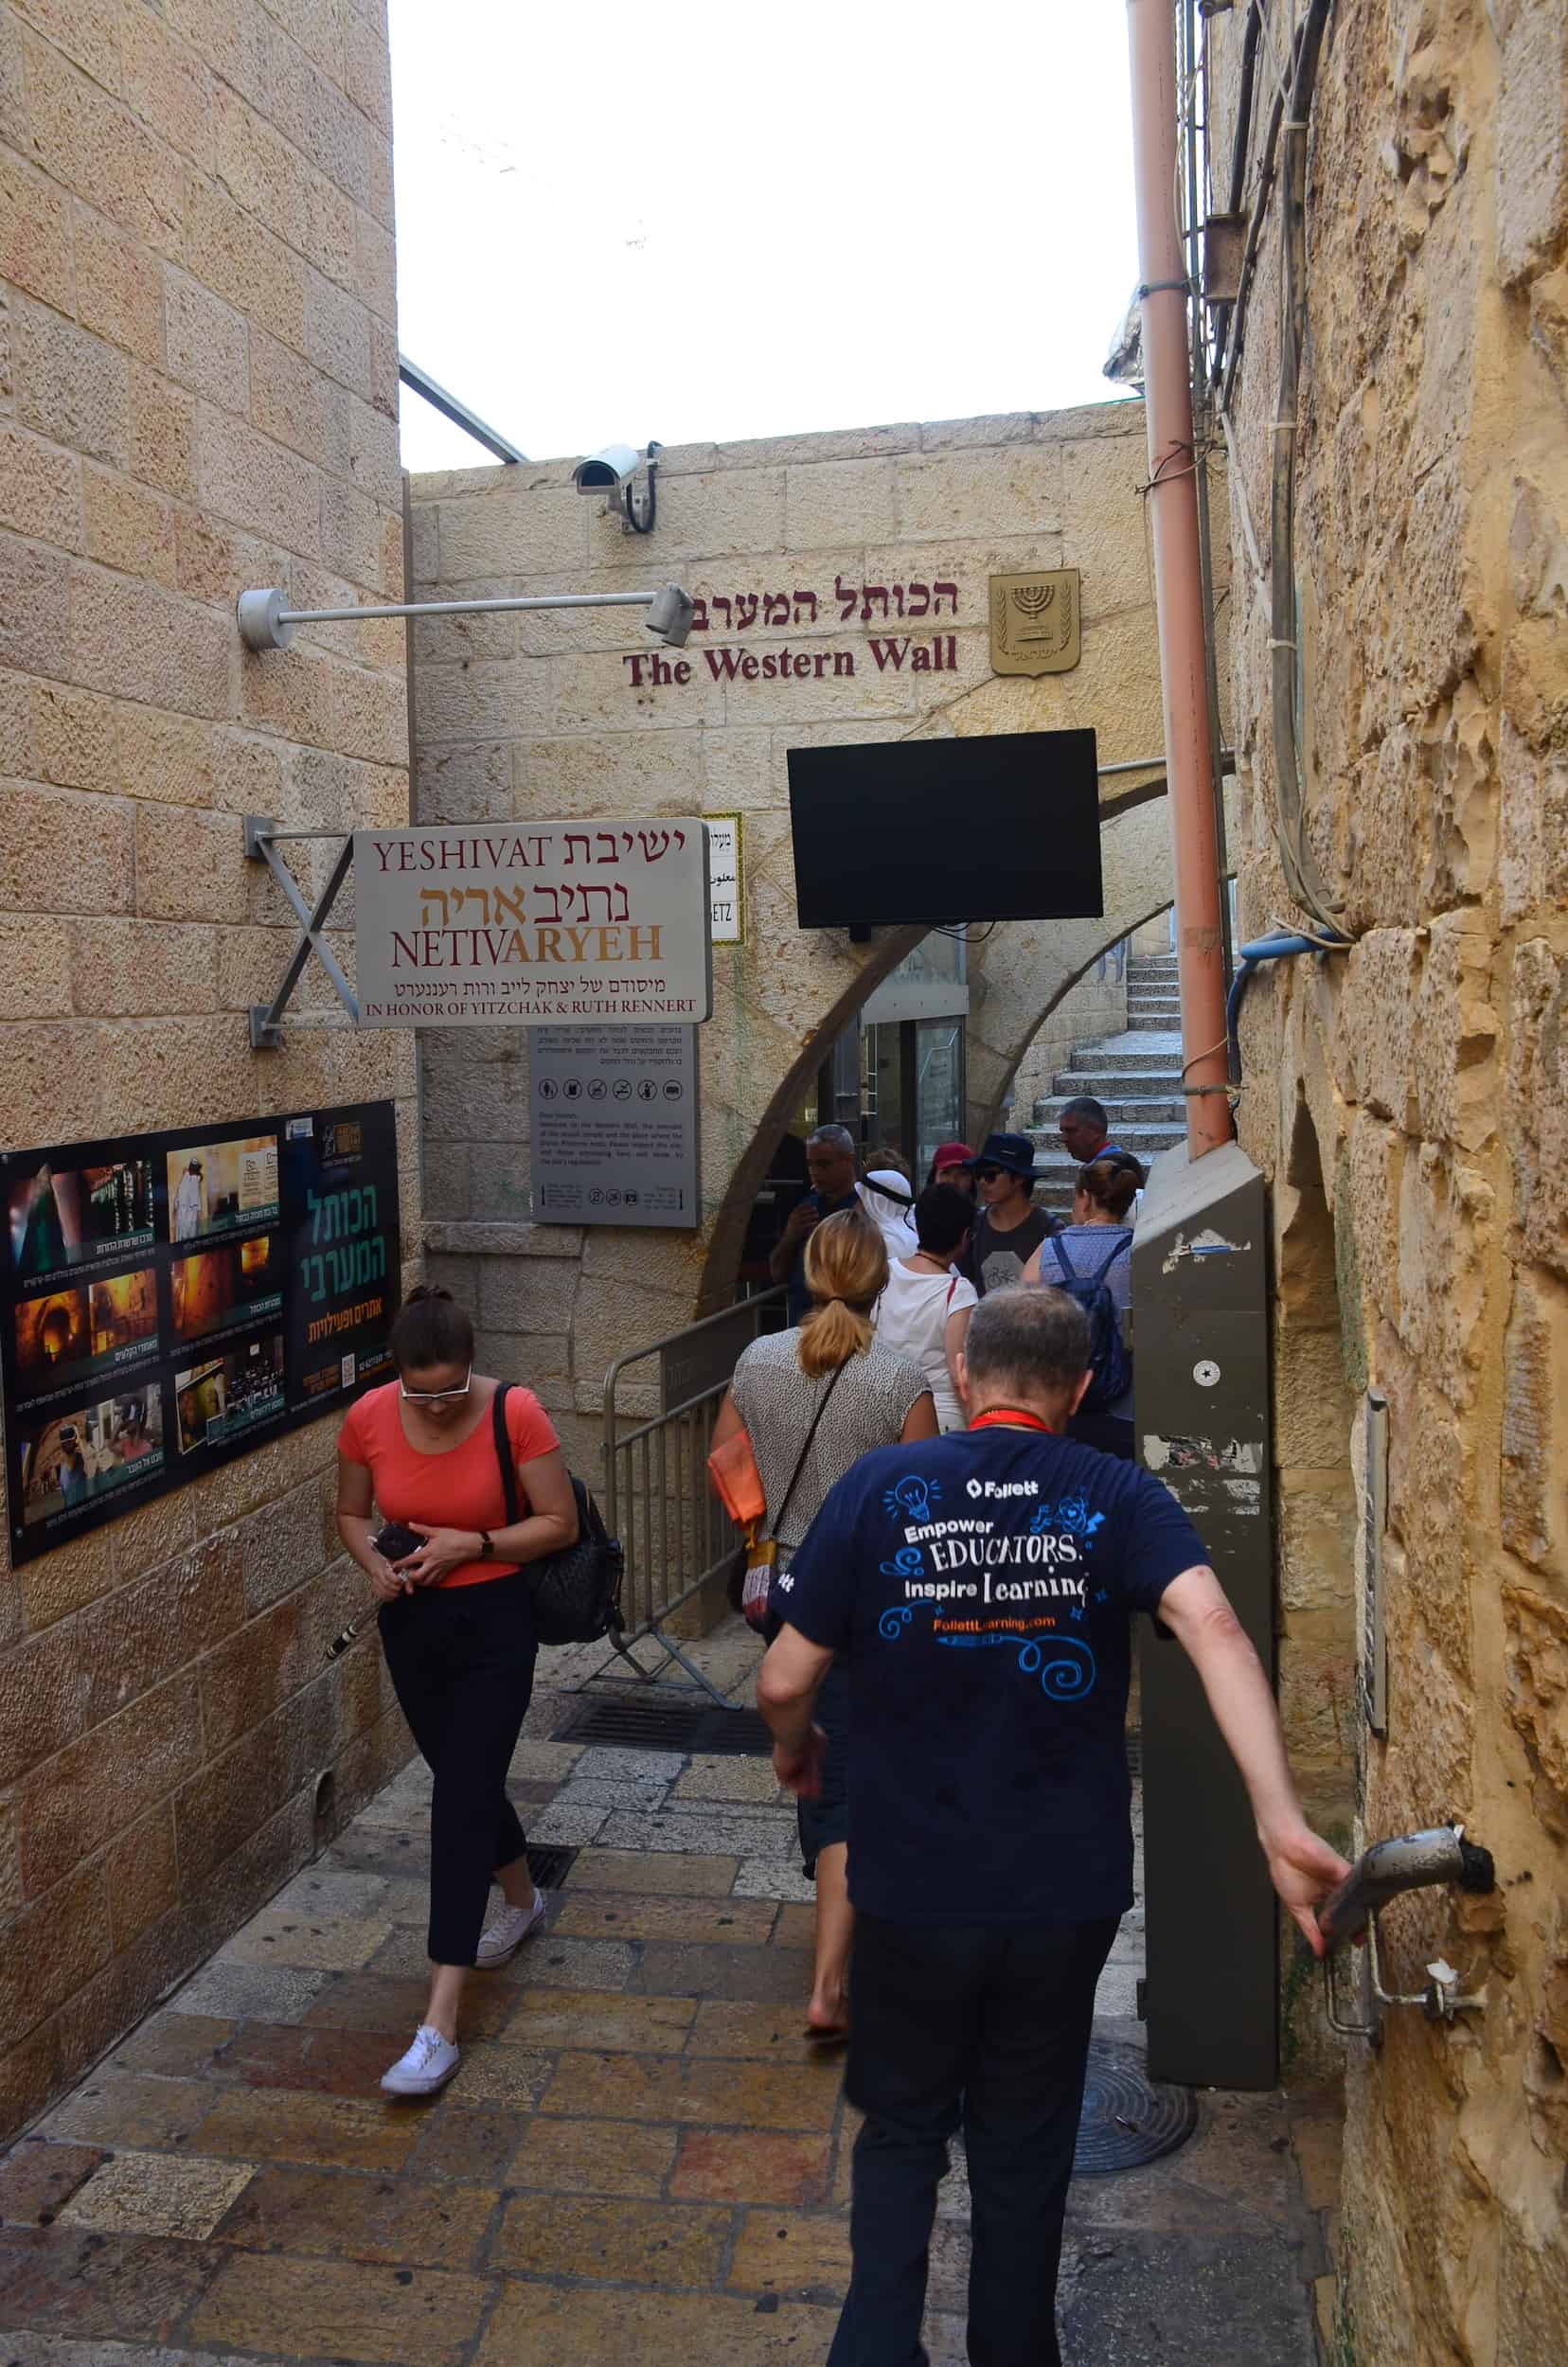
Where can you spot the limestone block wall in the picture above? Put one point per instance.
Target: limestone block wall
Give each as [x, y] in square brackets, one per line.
[566, 714]
[1410, 1097]
[198, 392]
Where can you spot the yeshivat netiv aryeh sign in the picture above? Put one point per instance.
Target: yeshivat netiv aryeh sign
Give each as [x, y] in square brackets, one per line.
[543, 922]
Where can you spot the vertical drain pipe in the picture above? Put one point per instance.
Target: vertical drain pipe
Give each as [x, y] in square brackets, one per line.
[1178, 578]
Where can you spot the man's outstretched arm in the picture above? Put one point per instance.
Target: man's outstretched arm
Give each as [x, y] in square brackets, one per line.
[787, 1686]
[1302, 1868]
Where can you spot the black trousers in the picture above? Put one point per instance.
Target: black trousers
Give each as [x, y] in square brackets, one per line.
[462, 1664]
[987, 2024]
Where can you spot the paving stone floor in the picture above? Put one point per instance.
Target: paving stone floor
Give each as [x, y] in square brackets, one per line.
[639, 2159]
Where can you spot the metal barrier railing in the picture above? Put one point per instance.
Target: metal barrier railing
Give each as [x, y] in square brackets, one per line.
[676, 1535]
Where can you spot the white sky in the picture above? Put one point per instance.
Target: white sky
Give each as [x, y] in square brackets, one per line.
[710, 222]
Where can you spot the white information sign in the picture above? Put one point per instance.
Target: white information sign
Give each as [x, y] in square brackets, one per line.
[726, 886]
[508, 922]
[613, 1126]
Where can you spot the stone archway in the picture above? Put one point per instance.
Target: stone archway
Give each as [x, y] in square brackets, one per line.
[728, 1232]
[1029, 967]
[1018, 976]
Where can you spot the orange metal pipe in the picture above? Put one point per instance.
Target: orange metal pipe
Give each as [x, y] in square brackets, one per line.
[1178, 582]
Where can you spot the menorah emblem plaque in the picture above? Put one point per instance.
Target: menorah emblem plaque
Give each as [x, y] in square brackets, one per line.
[1035, 623]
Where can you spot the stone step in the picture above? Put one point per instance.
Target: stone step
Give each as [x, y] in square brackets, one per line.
[1163, 971]
[1143, 1050]
[1123, 1110]
[1145, 1023]
[1171, 1004]
[1140, 1085]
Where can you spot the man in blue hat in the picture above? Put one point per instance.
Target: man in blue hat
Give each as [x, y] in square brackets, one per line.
[1009, 1228]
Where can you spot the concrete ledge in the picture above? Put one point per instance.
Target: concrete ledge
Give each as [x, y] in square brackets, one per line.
[462, 1237]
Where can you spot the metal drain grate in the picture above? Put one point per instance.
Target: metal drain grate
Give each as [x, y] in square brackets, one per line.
[1134, 1757]
[1128, 2120]
[550, 1867]
[687, 1727]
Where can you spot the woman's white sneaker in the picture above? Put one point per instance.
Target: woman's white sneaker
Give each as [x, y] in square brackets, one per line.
[428, 2065]
[506, 1935]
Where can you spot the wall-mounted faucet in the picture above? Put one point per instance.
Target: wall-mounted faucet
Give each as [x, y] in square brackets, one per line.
[1411, 1862]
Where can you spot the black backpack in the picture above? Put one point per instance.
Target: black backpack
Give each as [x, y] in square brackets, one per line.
[1108, 1360]
[576, 1592]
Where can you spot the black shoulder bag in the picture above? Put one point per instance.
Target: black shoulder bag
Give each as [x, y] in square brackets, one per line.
[577, 1591]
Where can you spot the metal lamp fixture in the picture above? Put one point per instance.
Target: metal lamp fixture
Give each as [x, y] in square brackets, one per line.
[266, 623]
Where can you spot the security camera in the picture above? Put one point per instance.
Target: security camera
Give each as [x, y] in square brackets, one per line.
[611, 472]
[606, 470]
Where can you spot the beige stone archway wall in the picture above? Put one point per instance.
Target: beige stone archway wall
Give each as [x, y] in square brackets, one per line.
[1028, 970]
[1017, 978]
[547, 714]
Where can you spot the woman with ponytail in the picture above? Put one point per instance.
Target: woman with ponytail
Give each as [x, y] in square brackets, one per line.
[457, 1625]
[812, 1400]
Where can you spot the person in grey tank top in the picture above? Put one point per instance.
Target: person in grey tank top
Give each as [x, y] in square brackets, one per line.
[828, 1369]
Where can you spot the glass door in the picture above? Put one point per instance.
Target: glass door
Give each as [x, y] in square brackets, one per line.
[938, 1087]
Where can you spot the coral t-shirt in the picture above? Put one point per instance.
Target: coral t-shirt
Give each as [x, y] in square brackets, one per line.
[458, 1488]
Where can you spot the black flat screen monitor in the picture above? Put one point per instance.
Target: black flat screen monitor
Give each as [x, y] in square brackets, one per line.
[943, 830]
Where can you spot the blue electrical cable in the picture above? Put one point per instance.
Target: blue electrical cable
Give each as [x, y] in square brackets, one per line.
[1263, 949]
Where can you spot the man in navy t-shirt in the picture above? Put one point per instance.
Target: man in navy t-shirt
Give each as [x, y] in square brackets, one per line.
[981, 1588]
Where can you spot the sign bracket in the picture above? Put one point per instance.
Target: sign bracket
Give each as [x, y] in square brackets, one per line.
[263, 838]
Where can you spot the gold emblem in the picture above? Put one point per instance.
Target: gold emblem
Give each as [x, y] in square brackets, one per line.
[1034, 622]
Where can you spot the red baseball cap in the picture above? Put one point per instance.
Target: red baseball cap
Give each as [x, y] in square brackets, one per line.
[951, 1155]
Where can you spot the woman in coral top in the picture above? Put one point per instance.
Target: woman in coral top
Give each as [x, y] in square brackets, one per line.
[457, 1628]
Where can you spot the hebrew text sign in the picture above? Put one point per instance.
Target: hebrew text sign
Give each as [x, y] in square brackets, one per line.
[504, 923]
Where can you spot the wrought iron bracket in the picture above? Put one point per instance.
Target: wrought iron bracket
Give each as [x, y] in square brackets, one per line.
[262, 839]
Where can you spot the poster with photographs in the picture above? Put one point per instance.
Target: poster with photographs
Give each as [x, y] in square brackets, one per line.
[170, 1300]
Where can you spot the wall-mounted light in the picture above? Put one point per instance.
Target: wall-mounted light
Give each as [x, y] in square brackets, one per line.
[265, 623]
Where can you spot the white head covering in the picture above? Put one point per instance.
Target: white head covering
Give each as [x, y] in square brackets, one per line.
[886, 1197]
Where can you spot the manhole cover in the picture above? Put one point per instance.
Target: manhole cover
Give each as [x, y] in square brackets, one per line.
[1126, 2119]
[549, 1867]
[682, 1726]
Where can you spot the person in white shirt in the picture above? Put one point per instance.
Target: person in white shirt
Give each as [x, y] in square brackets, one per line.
[923, 1314]
[889, 1202]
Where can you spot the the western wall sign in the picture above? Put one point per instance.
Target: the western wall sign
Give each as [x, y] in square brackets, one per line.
[928, 653]
[1034, 620]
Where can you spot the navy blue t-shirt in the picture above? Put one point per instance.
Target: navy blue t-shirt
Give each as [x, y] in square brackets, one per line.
[981, 1587]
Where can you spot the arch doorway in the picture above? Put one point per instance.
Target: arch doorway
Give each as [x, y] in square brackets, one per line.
[1018, 974]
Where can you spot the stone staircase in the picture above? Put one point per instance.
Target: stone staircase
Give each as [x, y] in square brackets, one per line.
[1137, 1076]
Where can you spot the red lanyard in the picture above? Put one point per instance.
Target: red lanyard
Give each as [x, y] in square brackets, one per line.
[1011, 1418]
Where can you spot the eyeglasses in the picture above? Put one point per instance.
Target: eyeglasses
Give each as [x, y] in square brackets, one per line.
[436, 1396]
[989, 1175]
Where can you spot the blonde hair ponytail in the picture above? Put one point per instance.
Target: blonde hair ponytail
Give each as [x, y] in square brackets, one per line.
[845, 1267]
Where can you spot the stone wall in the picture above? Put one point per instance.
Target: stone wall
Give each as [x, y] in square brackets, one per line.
[198, 392]
[1094, 1008]
[1409, 1096]
[541, 716]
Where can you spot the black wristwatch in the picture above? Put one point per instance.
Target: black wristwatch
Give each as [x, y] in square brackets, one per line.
[487, 1551]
